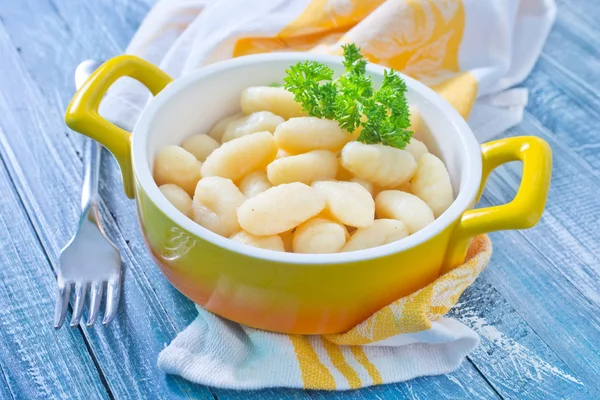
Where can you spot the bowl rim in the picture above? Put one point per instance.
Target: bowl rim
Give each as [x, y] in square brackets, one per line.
[463, 201]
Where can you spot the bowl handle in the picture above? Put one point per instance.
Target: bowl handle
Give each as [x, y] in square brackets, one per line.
[82, 114]
[524, 211]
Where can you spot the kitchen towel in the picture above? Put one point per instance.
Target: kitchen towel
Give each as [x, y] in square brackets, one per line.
[472, 52]
[404, 340]
[464, 49]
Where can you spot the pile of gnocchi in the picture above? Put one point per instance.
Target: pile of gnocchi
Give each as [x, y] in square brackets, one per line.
[276, 179]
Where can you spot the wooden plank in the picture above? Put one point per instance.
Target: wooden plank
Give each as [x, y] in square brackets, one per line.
[586, 11]
[513, 358]
[47, 174]
[569, 230]
[68, 32]
[35, 360]
[4, 390]
[564, 110]
[263, 394]
[573, 39]
[567, 108]
[564, 95]
[544, 272]
[556, 290]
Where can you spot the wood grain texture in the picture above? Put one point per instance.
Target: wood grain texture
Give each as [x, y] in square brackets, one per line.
[553, 289]
[36, 361]
[4, 388]
[514, 359]
[565, 246]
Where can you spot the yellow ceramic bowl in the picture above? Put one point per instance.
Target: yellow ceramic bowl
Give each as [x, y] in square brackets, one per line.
[298, 293]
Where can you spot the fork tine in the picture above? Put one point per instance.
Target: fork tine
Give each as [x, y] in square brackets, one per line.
[113, 292]
[62, 302]
[80, 289]
[95, 298]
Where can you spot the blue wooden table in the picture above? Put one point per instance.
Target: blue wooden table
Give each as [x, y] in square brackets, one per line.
[536, 306]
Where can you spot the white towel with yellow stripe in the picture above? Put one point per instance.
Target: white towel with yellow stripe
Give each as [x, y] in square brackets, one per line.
[215, 352]
[464, 49]
[472, 52]
[406, 339]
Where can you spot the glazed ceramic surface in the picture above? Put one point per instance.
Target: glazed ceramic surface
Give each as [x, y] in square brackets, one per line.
[299, 293]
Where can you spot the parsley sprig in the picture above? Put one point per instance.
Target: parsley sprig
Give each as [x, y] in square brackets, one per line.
[350, 99]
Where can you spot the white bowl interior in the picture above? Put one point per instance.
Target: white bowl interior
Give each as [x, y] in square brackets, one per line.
[193, 104]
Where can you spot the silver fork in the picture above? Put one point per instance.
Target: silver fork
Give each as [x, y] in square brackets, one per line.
[90, 259]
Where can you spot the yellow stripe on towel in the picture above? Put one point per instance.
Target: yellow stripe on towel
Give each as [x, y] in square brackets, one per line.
[340, 363]
[315, 375]
[361, 357]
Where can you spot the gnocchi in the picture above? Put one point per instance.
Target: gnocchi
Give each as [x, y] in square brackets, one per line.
[215, 203]
[382, 165]
[416, 121]
[369, 187]
[200, 146]
[175, 165]
[274, 99]
[218, 130]
[319, 236]
[348, 202]
[416, 148]
[254, 183]
[383, 231]
[240, 156]
[300, 135]
[255, 122]
[274, 178]
[280, 209]
[273, 242]
[432, 184]
[405, 207]
[178, 197]
[306, 168]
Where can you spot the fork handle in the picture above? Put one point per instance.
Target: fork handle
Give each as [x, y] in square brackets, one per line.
[91, 175]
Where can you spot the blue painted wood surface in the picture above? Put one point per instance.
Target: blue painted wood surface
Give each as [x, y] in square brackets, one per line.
[536, 307]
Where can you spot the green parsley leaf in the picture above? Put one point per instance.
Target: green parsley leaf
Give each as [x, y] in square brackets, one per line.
[350, 99]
